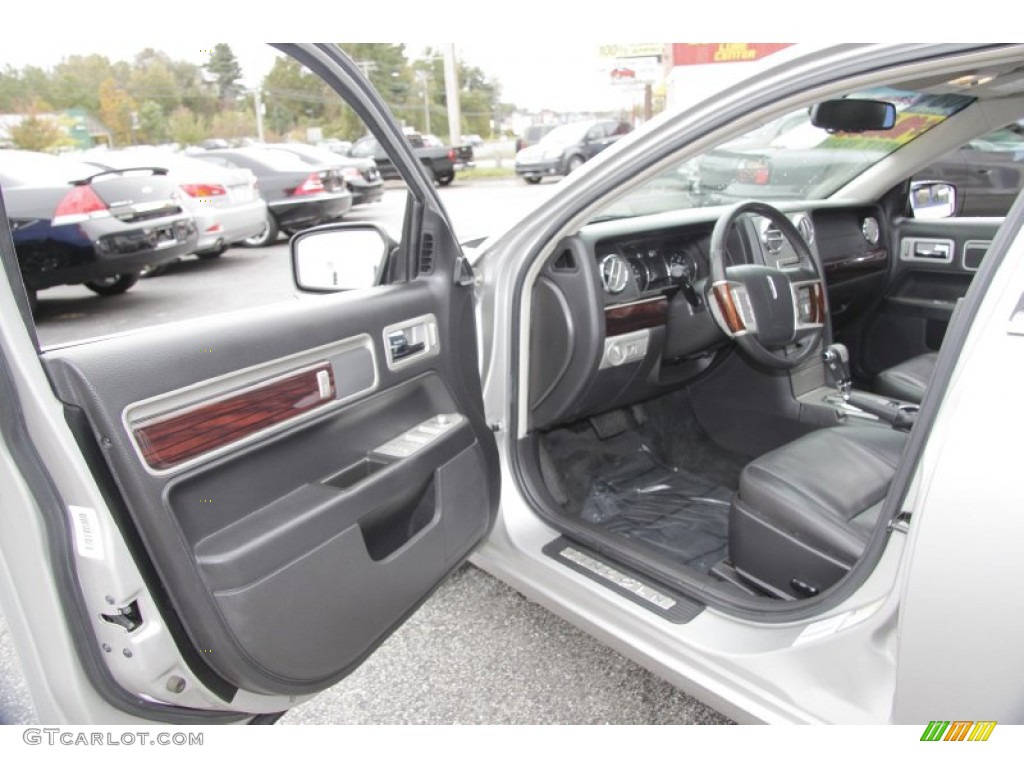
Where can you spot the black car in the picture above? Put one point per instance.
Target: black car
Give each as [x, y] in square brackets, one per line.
[567, 147]
[74, 223]
[360, 173]
[299, 195]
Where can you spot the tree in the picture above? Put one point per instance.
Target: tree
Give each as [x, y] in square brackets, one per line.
[233, 124]
[226, 71]
[116, 108]
[388, 69]
[76, 82]
[294, 96]
[185, 127]
[38, 132]
[152, 79]
[152, 123]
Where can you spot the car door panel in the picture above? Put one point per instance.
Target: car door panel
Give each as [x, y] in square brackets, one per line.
[257, 458]
[932, 270]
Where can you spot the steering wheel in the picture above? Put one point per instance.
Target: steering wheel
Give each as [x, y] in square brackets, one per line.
[766, 309]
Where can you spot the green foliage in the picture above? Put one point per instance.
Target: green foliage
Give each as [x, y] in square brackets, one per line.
[115, 112]
[153, 127]
[40, 133]
[172, 99]
[226, 70]
[186, 128]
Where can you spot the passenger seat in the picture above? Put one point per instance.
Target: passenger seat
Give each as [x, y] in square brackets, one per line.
[908, 380]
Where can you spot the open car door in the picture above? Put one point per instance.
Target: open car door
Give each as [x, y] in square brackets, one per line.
[231, 513]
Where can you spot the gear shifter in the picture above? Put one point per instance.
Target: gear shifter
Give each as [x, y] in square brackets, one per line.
[837, 360]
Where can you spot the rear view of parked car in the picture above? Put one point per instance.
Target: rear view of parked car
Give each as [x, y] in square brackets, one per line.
[298, 194]
[75, 223]
[567, 147]
[224, 202]
[360, 173]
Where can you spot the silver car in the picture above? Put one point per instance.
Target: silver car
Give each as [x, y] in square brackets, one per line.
[767, 451]
[225, 202]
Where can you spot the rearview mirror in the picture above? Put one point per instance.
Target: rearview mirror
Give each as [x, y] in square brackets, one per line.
[853, 115]
[932, 199]
[339, 257]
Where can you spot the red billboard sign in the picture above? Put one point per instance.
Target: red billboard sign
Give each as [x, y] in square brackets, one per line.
[687, 54]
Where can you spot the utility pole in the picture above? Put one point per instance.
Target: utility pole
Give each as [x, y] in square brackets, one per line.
[424, 77]
[258, 105]
[451, 90]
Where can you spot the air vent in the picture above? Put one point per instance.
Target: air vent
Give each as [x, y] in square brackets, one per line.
[427, 254]
[771, 237]
[566, 262]
[804, 227]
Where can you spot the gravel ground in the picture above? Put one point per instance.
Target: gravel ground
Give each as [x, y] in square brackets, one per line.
[479, 652]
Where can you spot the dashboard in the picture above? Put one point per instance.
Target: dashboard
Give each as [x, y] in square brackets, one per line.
[620, 311]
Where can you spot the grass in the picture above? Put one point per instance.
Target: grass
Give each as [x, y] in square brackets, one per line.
[505, 172]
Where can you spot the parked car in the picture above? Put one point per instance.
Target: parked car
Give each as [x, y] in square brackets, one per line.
[298, 194]
[336, 145]
[642, 421]
[567, 147]
[224, 202]
[360, 173]
[533, 134]
[439, 160]
[75, 223]
[464, 155]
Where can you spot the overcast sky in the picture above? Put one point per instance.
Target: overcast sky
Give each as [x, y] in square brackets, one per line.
[565, 77]
[545, 54]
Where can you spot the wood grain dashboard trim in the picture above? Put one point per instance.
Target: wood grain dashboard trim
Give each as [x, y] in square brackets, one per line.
[627, 318]
[860, 264]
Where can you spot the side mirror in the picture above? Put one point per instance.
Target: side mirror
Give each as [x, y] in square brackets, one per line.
[932, 199]
[339, 257]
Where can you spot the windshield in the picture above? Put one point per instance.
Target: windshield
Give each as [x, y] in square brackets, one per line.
[787, 159]
[566, 134]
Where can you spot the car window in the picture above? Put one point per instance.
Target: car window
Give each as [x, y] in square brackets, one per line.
[279, 195]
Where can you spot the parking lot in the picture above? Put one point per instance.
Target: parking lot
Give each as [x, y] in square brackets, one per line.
[477, 651]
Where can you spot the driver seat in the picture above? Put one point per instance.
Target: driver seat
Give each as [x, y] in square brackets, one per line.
[804, 512]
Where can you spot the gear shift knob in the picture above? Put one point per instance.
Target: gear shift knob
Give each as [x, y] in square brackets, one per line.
[837, 360]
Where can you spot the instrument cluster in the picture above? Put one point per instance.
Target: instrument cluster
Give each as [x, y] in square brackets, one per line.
[651, 266]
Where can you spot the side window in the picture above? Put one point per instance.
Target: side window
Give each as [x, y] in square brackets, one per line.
[987, 172]
[596, 133]
[218, 198]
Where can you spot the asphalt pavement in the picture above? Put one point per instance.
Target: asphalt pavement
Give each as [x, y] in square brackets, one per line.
[477, 651]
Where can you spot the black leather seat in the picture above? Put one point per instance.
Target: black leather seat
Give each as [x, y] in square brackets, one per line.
[804, 512]
[908, 380]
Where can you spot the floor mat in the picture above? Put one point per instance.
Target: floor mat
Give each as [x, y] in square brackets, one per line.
[683, 515]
